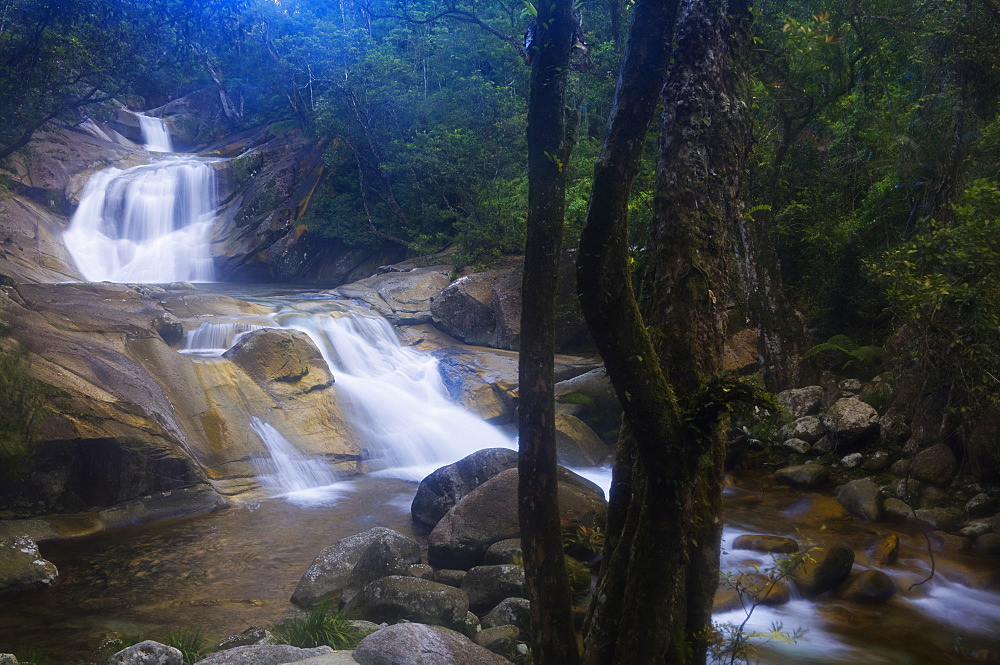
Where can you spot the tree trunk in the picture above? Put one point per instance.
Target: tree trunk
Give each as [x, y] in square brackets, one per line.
[653, 602]
[553, 639]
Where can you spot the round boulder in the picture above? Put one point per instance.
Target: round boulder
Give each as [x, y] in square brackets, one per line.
[803, 476]
[884, 549]
[500, 640]
[443, 488]
[510, 612]
[399, 597]
[759, 543]
[504, 551]
[281, 360]
[861, 497]
[869, 586]
[850, 422]
[486, 586]
[829, 567]
[935, 465]
[417, 644]
[577, 444]
[800, 402]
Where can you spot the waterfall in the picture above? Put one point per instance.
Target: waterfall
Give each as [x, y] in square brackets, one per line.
[287, 470]
[394, 396]
[214, 339]
[154, 134]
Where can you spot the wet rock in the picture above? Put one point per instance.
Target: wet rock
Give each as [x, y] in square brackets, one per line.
[169, 328]
[500, 640]
[399, 597]
[942, 541]
[489, 514]
[486, 586]
[829, 567]
[815, 509]
[594, 385]
[884, 550]
[988, 543]
[331, 571]
[764, 590]
[576, 444]
[22, 566]
[895, 510]
[850, 422]
[869, 586]
[935, 465]
[803, 476]
[417, 644]
[759, 543]
[504, 551]
[807, 428]
[443, 488]
[861, 497]
[981, 505]
[275, 358]
[450, 577]
[251, 636]
[267, 654]
[944, 519]
[797, 446]
[800, 402]
[147, 653]
[510, 611]
[401, 297]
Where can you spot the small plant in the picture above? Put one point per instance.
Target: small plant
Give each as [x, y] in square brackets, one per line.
[861, 359]
[583, 538]
[191, 643]
[317, 628]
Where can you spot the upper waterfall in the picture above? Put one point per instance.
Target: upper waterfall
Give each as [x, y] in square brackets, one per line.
[155, 134]
[148, 223]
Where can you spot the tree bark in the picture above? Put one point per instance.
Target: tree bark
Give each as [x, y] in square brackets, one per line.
[553, 639]
[653, 602]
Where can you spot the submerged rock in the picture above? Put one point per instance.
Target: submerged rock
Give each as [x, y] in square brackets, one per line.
[760, 543]
[418, 644]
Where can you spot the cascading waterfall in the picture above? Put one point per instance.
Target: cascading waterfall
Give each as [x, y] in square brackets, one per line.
[286, 470]
[148, 223]
[155, 134]
[214, 339]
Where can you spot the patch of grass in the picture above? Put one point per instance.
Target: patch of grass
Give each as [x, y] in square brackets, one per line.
[319, 627]
[191, 643]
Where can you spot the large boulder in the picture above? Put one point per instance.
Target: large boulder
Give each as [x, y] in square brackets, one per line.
[803, 476]
[147, 653]
[936, 464]
[443, 488]
[800, 402]
[464, 308]
[850, 422]
[807, 428]
[862, 497]
[333, 570]
[266, 654]
[489, 514]
[577, 444]
[827, 568]
[417, 644]
[510, 612]
[401, 297]
[285, 363]
[868, 586]
[486, 586]
[21, 565]
[402, 598]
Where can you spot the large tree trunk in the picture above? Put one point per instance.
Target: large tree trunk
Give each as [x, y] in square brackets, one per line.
[653, 602]
[553, 639]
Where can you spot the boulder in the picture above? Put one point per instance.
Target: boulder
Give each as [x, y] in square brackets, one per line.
[267, 654]
[576, 444]
[21, 565]
[829, 566]
[443, 488]
[403, 598]
[764, 590]
[464, 308]
[500, 640]
[861, 497]
[884, 549]
[800, 402]
[254, 635]
[850, 422]
[489, 514]
[417, 644]
[450, 577]
[331, 571]
[942, 541]
[935, 465]
[934, 497]
[401, 297]
[504, 551]
[988, 543]
[895, 510]
[973, 530]
[285, 363]
[758, 543]
[981, 505]
[486, 586]
[944, 519]
[815, 509]
[147, 653]
[852, 461]
[594, 385]
[868, 586]
[803, 476]
[381, 558]
[807, 428]
[510, 611]
[796, 446]
[878, 462]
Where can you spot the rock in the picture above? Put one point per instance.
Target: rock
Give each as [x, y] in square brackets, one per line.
[576, 444]
[331, 571]
[285, 362]
[21, 565]
[147, 653]
[948, 542]
[895, 510]
[853, 386]
[944, 519]
[829, 567]
[884, 550]
[399, 597]
[935, 465]
[489, 514]
[421, 570]
[169, 328]
[763, 590]
[401, 297]
[797, 446]
[417, 644]
[774, 544]
[869, 586]
[267, 654]
[510, 611]
[8, 659]
[907, 489]
[816, 509]
[464, 308]
[852, 461]
[450, 577]
[254, 635]
[934, 497]
[807, 428]
[500, 640]
[850, 422]
[973, 530]
[504, 551]
[981, 505]
[594, 385]
[878, 462]
[486, 586]
[800, 402]
[442, 489]
[363, 627]
[988, 543]
[381, 558]
[861, 497]
[803, 476]
[894, 429]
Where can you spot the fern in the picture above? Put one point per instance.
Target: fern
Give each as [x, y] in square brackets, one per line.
[862, 357]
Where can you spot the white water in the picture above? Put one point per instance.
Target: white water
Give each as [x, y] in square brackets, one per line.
[287, 470]
[155, 134]
[214, 339]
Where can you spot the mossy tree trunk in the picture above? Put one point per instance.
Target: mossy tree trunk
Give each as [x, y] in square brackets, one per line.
[653, 601]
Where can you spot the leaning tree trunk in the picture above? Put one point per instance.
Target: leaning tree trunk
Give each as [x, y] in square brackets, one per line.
[553, 639]
[654, 598]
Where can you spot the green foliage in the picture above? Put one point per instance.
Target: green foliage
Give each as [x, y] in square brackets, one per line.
[27, 654]
[319, 627]
[580, 538]
[863, 359]
[191, 643]
[576, 398]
